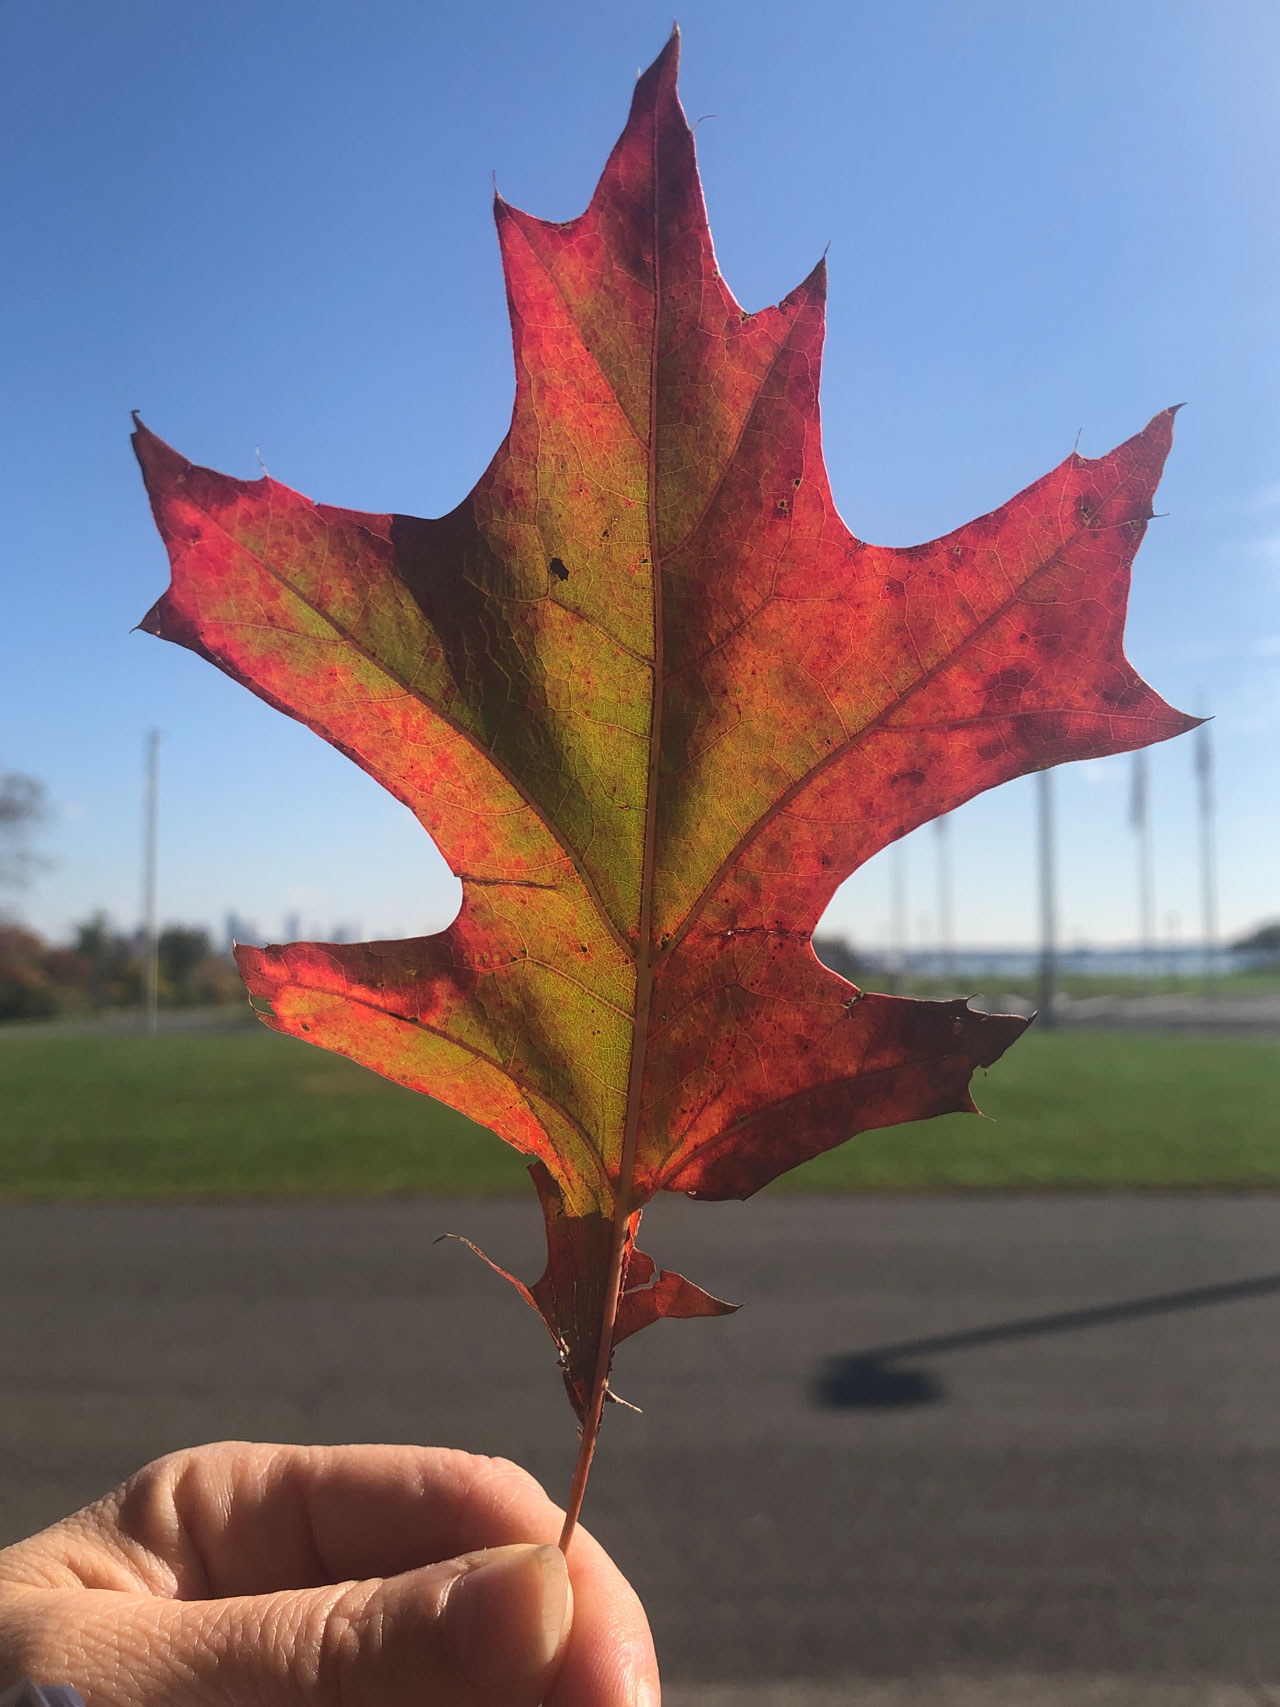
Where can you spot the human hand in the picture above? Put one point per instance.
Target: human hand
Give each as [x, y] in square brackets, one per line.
[239, 1575]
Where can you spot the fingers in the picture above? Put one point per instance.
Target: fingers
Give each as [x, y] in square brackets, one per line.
[220, 1523]
[610, 1660]
[486, 1630]
[243, 1518]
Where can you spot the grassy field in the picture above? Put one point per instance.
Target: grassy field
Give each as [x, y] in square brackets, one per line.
[247, 1113]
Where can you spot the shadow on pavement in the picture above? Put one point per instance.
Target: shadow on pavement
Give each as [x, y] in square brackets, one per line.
[875, 1380]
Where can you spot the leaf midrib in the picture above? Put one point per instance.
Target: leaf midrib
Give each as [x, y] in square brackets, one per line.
[644, 946]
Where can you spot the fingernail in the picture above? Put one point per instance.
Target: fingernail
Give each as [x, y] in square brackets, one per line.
[508, 1616]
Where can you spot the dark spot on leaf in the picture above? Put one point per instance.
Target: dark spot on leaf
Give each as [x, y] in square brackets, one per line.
[558, 569]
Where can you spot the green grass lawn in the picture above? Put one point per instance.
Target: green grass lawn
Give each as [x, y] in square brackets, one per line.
[249, 1113]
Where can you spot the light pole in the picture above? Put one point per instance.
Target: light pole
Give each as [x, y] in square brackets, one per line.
[898, 914]
[1140, 821]
[946, 919]
[150, 935]
[1208, 856]
[1048, 901]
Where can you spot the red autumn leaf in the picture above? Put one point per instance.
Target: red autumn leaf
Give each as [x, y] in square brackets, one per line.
[654, 702]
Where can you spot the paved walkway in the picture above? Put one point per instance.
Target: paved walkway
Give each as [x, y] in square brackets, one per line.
[1017, 1690]
[978, 1452]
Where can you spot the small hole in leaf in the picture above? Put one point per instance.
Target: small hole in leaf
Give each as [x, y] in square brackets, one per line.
[558, 569]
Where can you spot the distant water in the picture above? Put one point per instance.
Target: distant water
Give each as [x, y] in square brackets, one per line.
[1186, 960]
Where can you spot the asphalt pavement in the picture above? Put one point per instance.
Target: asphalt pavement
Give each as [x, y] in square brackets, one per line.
[1006, 1451]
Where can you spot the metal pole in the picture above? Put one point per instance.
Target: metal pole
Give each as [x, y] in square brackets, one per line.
[946, 921]
[150, 934]
[898, 914]
[1208, 857]
[1140, 817]
[1048, 902]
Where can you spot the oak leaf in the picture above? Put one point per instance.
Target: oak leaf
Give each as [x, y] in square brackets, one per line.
[654, 702]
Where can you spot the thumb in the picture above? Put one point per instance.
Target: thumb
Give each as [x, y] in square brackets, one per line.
[490, 1628]
[487, 1629]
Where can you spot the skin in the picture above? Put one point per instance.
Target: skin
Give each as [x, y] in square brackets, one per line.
[343, 1576]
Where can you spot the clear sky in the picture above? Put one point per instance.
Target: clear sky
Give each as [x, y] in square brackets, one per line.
[266, 225]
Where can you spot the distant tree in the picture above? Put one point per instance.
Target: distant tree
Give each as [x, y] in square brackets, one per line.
[840, 956]
[111, 960]
[1262, 943]
[24, 806]
[192, 972]
[181, 949]
[27, 990]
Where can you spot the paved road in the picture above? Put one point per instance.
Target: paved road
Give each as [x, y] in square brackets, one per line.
[985, 1452]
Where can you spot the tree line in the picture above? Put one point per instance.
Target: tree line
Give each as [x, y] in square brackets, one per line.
[102, 968]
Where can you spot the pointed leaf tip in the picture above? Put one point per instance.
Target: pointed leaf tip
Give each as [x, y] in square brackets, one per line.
[662, 73]
[813, 286]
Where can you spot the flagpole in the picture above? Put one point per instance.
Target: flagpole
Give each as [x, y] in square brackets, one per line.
[150, 935]
[1046, 1004]
[898, 914]
[946, 921]
[1203, 762]
[1140, 821]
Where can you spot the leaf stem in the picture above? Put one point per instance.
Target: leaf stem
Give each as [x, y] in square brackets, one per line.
[644, 946]
[600, 1380]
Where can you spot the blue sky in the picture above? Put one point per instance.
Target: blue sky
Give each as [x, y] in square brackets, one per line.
[268, 226]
